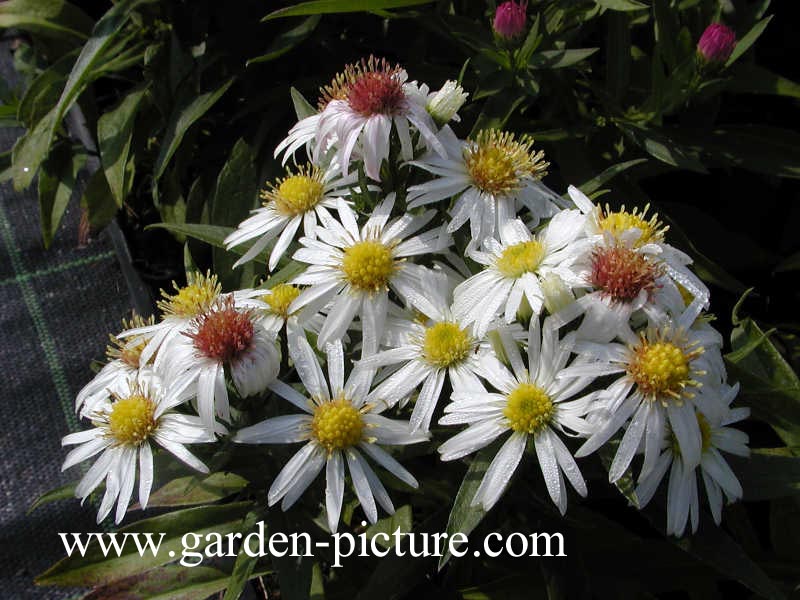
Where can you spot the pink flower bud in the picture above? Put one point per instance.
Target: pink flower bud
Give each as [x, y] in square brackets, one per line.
[716, 44]
[510, 19]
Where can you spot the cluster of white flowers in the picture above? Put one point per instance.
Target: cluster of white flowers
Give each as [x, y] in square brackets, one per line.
[552, 318]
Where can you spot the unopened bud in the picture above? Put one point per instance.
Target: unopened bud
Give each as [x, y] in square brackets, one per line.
[510, 19]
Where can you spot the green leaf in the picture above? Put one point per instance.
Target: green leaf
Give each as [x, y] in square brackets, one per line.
[595, 183]
[31, 149]
[769, 385]
[210, 234]
[759, 148]
[44, 91]
[319, 7]
[55, 18]
[302, 107]
[94, 568]
[195, 489]
[245, 563]
[190, 109]
[660, 146]
[170, 582]
[400, 520]
[287, 40]
[234, 196]
[98, 201]
[790, 263]
[621, 4]
[64, 492]
[767, 474]
[464, 517]
[558, 59]
[749, 78]
[56, 184]
[748, 40]
[294, 573]
[114, 135]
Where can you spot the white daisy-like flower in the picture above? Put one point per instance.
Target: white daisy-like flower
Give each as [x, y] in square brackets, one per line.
[670, 369]
[123, 355]
[635, 230]
[718, 478]
[360, 107]
[443, 105]
[530, 403]
[337, 427]
[290, 201]
[494, 174]
[178, 310]
[126, 424]
[431, 348]
[224, 336]
[515, 267]
[355, 268]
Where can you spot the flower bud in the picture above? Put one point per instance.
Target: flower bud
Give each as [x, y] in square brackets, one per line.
[716, 44]
[444, 104]
[510, 19]
[556, 293]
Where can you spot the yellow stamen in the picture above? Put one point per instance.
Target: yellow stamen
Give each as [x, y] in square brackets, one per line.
[528, 409]
[297, 193]
[132, 419]
[337, 425]
[280, 297]
[445, 344]
[497, 163]
[196, 297]
[618, 222]
[368, 265]
[662, 370]
[129, 350]
[524, 257]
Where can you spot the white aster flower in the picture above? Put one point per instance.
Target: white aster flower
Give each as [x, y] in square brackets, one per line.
[354, 268]
[178, 311]
[126, 424]
[290, 201]
[431, 348]
[670, 369]
[634, 229]
[494, 174]
[123, 364]
[443, 105]
[515, 267]
[718, 478]
[338, 426]
[360, 107]
[530, 403]
[224, 336]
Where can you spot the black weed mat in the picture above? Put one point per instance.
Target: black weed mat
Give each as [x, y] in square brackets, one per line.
[57, 307]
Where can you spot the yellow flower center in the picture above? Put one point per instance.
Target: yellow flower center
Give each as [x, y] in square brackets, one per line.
[617, 222]
[497, 163]
[280, 297]
[337, 425]
[528, 409]
[445, 344]
[368, 265]
[298, 194]
[662, 369]
[196, 297]
[132, 419]
[521, 258]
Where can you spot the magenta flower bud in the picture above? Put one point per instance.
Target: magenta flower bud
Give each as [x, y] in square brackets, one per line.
[510, 19]
[716, 44]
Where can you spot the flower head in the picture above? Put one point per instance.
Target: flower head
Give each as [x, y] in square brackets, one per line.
[510, 19]
[716, 45]
[443, 105]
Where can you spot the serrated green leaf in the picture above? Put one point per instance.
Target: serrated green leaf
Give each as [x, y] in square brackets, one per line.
[743, 45]
[196, 489]
[64, 492]
[95, 568]
[47, 17]
[114, 135]
[320, 7]
[287, 40]
[184, 115]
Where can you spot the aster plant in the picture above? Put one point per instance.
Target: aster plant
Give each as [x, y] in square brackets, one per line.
[412, 326]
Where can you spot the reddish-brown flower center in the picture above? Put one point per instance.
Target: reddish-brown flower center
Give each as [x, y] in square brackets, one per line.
[370, 87]
[223, 333]
[621, 274]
